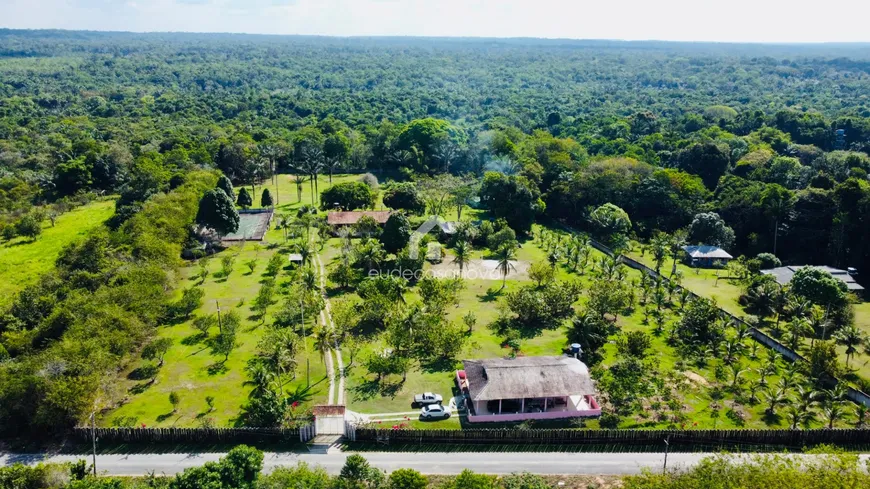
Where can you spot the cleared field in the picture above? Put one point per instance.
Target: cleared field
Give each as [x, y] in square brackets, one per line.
[22, 261]
[190, 369]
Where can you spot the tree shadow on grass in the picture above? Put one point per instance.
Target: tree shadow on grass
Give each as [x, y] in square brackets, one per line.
[164, 417]
[218, 368]
[144, 372]
[491, 295]
[141, 387]
[438, 365]
[771, 419]
[194, 339]
[371, 388]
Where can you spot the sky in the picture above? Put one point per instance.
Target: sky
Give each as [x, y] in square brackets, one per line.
[674, 20]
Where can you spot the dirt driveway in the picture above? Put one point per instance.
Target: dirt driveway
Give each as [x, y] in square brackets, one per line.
[480, 270]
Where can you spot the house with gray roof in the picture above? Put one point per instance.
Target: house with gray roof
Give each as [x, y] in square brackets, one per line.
[524, 388]
[783, 275]
[706, 255]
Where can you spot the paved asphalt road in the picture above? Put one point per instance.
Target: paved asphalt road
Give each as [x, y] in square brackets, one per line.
[428, 463]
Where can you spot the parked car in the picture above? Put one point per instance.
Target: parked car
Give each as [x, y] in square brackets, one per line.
[434, 411]
[427, 398]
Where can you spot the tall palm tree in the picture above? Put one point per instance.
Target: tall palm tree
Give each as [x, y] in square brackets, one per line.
[505, 256]
[677, 241]
[659, 247]
[852, 338]
[306, 252]
[461, 255]
[324, 338]
[309, 280]
[797, 329]
[284, 222]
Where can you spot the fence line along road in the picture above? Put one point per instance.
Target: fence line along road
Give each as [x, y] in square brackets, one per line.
[796, 439]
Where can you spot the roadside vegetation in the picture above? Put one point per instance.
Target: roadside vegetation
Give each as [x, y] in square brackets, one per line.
[242, 468]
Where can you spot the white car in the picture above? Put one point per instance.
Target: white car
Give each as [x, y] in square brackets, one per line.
[434, 411]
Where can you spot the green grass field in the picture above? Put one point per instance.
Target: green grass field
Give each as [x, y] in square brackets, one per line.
[23, 261]
[704, 400]
[190, 369]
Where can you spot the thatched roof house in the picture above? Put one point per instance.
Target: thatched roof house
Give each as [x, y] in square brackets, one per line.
[528, 388]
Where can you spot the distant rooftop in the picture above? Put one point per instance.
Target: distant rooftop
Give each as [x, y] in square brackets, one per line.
[783, 275]
[352, 217]
[706, 251]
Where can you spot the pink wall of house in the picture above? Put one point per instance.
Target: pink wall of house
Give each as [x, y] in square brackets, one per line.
[595, 411]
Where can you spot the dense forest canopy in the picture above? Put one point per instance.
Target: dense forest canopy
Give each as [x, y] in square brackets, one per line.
[761, 149]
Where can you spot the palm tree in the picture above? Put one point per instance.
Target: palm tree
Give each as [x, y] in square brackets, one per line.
[797, 329]
[505, 255]
[799, 417]
[806, 397]
[284, 222]
[833, 412]
[371, 253]
[852, 338]
[773, 397]
[324, 338]
[461, 255]
[677, 241]
[659, 248]
[736, 371]
[261, 378]
[306, 252]
[553, 257]
[732, 348]
[309, 280]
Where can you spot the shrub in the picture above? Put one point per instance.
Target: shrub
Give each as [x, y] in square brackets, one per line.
[768, 260]
[348, 196]
[370, 180]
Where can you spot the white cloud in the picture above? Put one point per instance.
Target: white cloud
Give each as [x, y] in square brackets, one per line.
[684, 20]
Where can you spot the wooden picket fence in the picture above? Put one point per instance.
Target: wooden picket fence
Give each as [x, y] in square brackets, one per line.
[188, 435]
[772, 438]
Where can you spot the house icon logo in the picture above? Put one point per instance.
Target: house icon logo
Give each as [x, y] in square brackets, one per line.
[417, 235]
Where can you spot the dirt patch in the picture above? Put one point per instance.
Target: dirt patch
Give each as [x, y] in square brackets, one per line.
[480, 270]
[696, 378]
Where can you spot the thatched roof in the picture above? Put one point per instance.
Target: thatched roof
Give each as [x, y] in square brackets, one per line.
[705, 251]
[527, 377]
[331, 410]
[352, 217]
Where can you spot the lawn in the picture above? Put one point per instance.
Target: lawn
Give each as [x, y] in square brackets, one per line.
[22, 261]
[190, 369]
[193, 372]
[706, 282]
[705, 400]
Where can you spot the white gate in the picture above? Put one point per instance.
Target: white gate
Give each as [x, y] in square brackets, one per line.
[329, 420]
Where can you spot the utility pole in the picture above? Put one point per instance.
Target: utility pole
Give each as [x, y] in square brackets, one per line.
[305, 340]
[220, 325]
[94, 440]
[667, 446]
